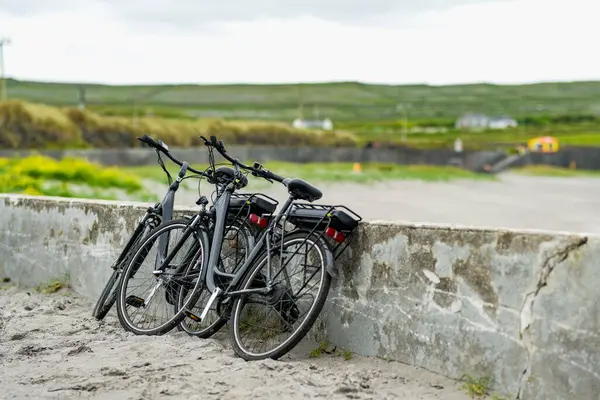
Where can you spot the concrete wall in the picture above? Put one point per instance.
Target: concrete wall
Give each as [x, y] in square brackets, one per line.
[521, 307]
[144, 156]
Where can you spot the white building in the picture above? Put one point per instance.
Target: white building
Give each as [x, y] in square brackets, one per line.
[481, 121]
[502, 122]
[325, 124]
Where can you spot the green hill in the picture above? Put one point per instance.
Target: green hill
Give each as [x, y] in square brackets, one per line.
[343, 101]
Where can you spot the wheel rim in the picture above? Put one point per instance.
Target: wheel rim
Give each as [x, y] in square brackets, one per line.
[157, 290]
[269, 321]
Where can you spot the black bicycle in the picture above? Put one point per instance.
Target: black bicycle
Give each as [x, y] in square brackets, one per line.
[246, 219]
[160, 212]
[238, 234]
[239, 296]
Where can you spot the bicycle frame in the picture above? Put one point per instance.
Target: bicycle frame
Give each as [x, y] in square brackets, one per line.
[166, 207]
[208, 274]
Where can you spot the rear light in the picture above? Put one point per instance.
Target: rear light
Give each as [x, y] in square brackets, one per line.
[260, 221]
[335, 235]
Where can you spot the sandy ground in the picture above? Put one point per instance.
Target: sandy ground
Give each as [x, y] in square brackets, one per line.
[514, 201]
[50, 348]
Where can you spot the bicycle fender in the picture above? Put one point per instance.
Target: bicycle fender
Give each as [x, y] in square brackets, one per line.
[330, 266]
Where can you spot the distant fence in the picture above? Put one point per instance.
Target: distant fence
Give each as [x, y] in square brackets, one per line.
[582, 157]
[198, 155]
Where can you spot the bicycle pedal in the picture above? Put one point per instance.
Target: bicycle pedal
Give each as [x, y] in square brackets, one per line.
[192, 316]
[135, 301]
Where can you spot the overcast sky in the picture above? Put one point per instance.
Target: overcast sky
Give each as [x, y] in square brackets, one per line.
[256, 41]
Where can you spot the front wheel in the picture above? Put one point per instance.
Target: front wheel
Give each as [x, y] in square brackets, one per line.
[294, 283]
[108, 297]
[146, 297]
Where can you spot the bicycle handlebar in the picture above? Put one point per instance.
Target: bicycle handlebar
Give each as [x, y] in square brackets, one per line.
[257, 170]
[163, 148]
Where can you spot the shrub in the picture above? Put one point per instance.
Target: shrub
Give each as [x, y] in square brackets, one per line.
[40, 175]
[26, 125]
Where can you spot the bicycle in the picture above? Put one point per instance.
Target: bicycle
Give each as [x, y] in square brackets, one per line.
[162, 212]
[154, 215]
[232, 291]
[240, 228]
[254, 208]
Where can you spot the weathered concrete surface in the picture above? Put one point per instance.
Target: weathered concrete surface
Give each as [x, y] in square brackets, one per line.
[42, 239]
[521, 307]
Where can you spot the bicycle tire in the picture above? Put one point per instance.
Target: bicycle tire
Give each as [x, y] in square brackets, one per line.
[108, 297]
[200, 256]
[306, 325]
[219, 322]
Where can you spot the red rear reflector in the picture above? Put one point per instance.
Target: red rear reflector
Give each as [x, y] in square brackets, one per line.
[335, 235]
[256, 220]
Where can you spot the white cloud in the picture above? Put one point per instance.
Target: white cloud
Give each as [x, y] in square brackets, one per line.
[517, 41]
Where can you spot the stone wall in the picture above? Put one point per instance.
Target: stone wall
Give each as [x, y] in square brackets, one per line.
[520, 307]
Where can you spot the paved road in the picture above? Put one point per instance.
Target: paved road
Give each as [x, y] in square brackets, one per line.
[51, 349]
[514, 201]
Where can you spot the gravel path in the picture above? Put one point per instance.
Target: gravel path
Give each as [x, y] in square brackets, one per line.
[514, 201]
[50, 349]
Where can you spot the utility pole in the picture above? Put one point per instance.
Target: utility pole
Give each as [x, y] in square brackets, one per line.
[300, 102]
[402, 108]
[82, 100]
[3, 42]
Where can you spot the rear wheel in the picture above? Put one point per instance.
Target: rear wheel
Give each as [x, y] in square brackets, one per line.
[238, 242]
[268, 325]
[147, 299]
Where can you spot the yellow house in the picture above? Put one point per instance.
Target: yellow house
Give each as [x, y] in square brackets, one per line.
[544, 144]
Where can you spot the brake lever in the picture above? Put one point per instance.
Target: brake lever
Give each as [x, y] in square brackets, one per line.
[206, 142]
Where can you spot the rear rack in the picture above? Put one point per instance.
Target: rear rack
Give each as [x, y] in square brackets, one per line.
[246, 208]
[258, 203]
[243, 205]
[336, 223]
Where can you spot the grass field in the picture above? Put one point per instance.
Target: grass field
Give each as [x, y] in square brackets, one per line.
[337, 172]
[26, 125]
[343, 101]
[261, 114]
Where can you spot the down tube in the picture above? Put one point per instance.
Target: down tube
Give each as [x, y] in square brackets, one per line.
[167, 215]
[221, 207]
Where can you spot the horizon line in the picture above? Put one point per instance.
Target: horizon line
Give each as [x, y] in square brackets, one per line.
[298, 83]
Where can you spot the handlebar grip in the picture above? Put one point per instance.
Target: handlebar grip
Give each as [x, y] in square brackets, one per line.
[274, 177]
[183, 170]
[149, 141]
